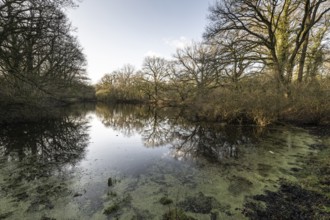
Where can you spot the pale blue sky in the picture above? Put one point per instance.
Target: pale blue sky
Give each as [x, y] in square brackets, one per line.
[117, 32]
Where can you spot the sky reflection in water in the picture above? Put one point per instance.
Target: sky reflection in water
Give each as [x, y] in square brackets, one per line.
[61, 168]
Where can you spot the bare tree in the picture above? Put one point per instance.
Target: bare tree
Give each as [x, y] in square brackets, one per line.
[155, 71]
[179, 86]
[281, 27]
[198, 67]
[313, 54]
[236, 57]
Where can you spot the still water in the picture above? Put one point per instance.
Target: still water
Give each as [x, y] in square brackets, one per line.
[135, 162]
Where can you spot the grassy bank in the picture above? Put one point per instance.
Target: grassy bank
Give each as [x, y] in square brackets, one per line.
[33, 104]
[257, 98]
[263, 104]
[18, 112]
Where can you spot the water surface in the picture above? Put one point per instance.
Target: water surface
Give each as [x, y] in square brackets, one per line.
[123, 162]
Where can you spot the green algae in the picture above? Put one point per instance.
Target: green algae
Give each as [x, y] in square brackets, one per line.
[181, 182]
[216, 180]
[306, 198]
[210, 177]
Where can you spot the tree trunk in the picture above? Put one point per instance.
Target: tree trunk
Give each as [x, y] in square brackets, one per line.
[289, 71]
[302, 60]
[278, 72]
[304, 51]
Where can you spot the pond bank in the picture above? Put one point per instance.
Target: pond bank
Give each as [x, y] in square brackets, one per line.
[13, 112]
[206, 111]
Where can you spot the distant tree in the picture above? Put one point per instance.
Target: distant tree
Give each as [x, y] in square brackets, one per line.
[123, 85]
[155, 71]
[179, 86]
[198, 67]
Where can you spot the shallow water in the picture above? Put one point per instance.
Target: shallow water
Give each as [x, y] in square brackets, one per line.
[124, 159]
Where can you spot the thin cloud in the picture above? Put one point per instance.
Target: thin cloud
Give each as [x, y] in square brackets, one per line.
[151, 53]
[180, 43]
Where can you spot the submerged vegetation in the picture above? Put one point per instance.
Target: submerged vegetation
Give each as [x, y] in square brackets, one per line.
[307, 198]
[154, 164]
[291, 201]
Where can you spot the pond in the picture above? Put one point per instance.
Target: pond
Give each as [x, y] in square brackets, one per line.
[137, 162]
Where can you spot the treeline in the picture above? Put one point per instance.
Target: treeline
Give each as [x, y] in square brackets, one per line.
[260, 62]
[41, 61]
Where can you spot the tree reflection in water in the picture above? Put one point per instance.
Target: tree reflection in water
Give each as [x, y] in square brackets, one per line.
[127, 119]
[53, 141]
[43, 173]
[227, 162]
[41, 155]
[165, 127]
[213, 142]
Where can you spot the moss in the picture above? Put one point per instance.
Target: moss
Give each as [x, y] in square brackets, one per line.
[264, 169]
[199, 204]
[127, 199]
[175, 214]
[239, 185]
[111, 209]
[47, 218]
[112, 194]
[5, 215]
[165, 201]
